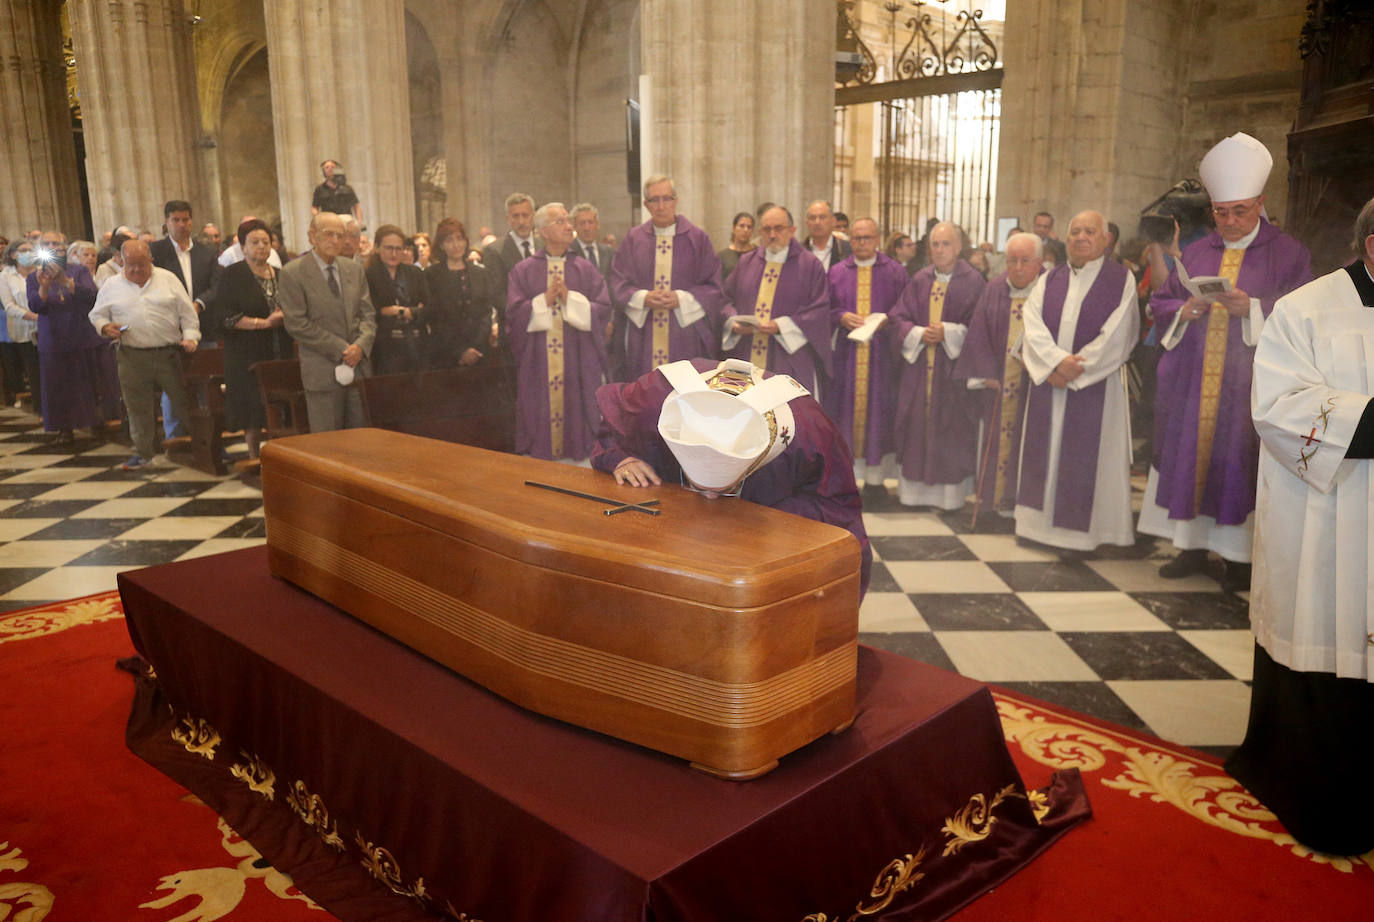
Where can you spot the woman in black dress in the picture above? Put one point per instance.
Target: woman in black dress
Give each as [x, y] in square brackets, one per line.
[245, 302]
[399, 295]
[463, 300]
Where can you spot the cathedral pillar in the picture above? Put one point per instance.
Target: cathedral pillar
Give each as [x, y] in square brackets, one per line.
[138, 106]
[38, 173]
[739, 104]
[340, 91]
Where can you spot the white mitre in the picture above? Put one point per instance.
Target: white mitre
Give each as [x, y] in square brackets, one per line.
[726, 423]
[1236, 169]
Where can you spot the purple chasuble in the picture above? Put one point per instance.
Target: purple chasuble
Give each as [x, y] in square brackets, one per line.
[985, 356]
[813, 477]
[935, 447]
[584, 358]
[696, 270]
[1076, 479]
[802, 294]
[1274, 265]
[888, 279]
[76, 368]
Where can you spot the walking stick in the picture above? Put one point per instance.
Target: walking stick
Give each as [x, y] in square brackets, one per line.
[987, 453]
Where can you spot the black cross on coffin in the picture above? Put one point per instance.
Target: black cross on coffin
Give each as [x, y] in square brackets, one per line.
[617, 505]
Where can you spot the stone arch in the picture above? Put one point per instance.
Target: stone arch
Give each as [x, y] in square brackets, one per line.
[426, 117]
[247, 150]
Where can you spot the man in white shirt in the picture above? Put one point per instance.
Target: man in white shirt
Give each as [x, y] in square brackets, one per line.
[147, 311]
[1308, 745]
[1081, 322]
[821, 241]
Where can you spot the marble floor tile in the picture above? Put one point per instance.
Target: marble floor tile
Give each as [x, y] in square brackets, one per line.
[1060, 576]
[184, 473]
[181, 528]
[1092, 699]
[216, 507]
[24, 490]
[12, 578]
[165, 488]
[45, 553]
[1004, 547]
[1234, 651]
[18, 462]
[889, 611]
[73, 529]
[921, 647]
[1212, 713]
[68, 582]
[1091, 611]
[1197, 610]
[111, 450]
[219, 546]
[122, 551]
[257, 528]
[1143, 576]
[1142, 655]
[132, 508]
[47, 475]
[879, 579]
[903, 523]
[14, 529]
[976, 612]
[86, 489]
[233, 489]
[48, 508]
[926, 547]
[945, 576]
[1014, 656]
[258, 513]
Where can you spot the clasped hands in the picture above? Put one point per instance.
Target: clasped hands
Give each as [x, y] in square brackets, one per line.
[1067, 370]
[557, 292]
[406, 314]
[1236, 302]
[664, 300]
[934, 333]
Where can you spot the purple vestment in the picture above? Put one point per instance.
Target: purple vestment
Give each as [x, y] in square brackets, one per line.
[813, 477]
[696, 270]
[937, 447]
[985, 356]
[802, 294]
[76, 364]
[584, 358]
[889, 279]
[1274, 265]
[1076, 479]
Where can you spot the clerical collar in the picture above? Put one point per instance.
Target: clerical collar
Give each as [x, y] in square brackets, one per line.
[779, 257]
[668, 231]
[1245, 241]
[866, 262]
[1091, 266]
[1364, 281]
[1021, 292]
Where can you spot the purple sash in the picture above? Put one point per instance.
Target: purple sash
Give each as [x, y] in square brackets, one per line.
[1076, 480]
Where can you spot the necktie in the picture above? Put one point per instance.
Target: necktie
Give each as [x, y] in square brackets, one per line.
[526, 245]
[590, 252]
[334, 281]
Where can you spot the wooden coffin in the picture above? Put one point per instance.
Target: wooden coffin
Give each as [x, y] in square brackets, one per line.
[719, 631]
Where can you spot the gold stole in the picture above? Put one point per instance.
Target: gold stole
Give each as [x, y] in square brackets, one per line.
[1213, 364]
[553, 346]
[863, 305]
[937, 308]
[1007, 447]
[763, 309]
[663, 281]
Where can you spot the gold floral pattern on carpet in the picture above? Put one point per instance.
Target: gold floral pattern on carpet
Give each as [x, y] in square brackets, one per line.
[1163, 777]
[21, 900]
[43, 620]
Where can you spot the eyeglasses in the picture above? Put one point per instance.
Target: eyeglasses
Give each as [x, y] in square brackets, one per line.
[392, 248]
[660, 200]
[338, 235]
[1237, 212]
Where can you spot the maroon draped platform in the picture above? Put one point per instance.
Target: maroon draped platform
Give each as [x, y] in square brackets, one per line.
[392, 788]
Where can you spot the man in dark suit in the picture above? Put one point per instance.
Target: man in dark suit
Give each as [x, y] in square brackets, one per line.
[587, 225]
[194, 264]
[501, 256]
[328, 312]
[821, 241]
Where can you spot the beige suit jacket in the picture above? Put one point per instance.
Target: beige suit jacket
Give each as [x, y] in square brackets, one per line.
[324, 325]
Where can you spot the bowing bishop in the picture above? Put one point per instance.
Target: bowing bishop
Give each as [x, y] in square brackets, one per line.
[991, 365]
[1308, 746]
[666, 281]
[1081, 323]
[1201, 489]
[777, 310]
[936, 430]
[557, 308]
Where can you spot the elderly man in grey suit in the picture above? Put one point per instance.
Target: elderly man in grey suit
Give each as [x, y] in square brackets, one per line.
[325, 304]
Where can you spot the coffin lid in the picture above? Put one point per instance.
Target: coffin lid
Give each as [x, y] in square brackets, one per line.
[726, 552]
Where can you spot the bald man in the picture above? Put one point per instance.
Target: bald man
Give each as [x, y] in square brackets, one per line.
[936, 423]
[1081, 323]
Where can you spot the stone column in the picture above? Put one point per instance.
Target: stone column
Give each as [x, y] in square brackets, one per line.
[741, 105]
[38, 172]
[340, 91]
[138, 104]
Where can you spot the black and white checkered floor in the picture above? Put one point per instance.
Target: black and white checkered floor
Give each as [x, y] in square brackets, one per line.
[1101, 633]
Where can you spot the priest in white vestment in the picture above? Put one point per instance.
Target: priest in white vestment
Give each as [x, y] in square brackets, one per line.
[1310, 742]
[1081, 324]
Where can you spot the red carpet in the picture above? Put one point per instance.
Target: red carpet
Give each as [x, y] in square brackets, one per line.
[88, 831]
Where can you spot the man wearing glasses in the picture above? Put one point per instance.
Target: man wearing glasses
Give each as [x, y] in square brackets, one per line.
[666, 281]
[1201, 489]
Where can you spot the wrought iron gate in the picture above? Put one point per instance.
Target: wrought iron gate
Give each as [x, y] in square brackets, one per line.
[916, 126]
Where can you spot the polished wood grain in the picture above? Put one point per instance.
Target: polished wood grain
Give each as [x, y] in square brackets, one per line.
[719, 631]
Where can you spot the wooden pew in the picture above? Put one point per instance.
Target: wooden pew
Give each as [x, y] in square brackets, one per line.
[203, 373]
[472, 406]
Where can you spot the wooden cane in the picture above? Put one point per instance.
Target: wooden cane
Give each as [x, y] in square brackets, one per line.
[993, 429]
